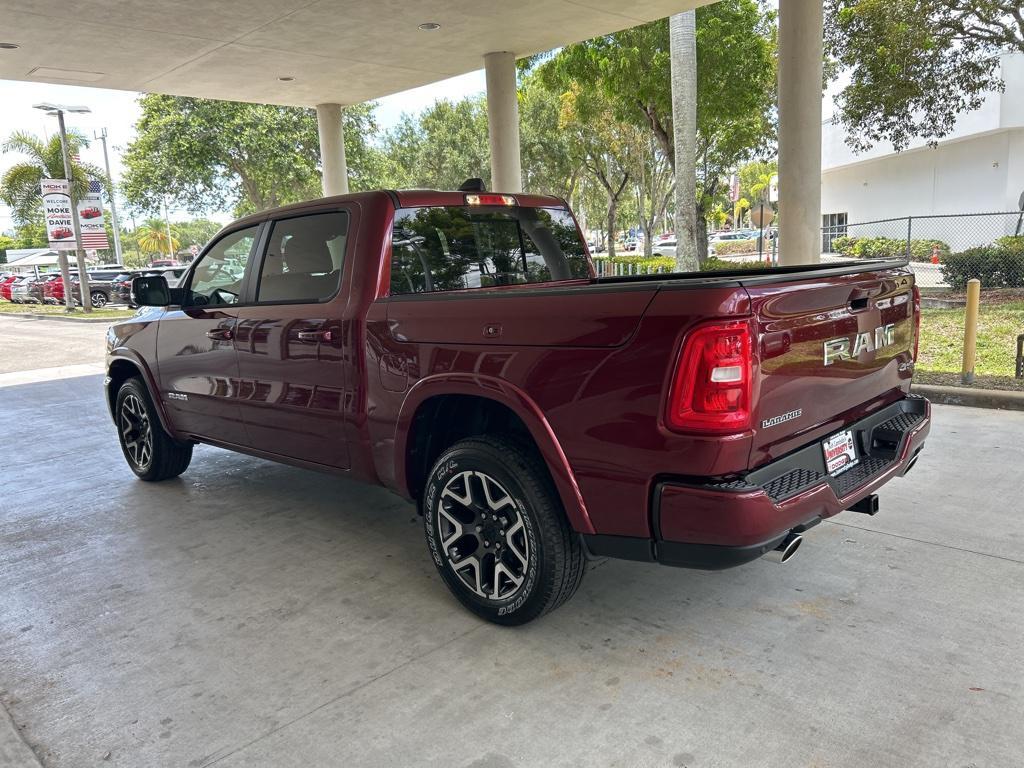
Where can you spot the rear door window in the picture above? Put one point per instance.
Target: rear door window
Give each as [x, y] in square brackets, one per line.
[304, 258]
[461, 247]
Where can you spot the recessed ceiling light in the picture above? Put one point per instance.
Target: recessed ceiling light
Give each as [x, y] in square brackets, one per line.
[286, 79]
[427, 26]
[9, 46]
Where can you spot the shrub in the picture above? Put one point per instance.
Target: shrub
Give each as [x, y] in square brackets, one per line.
[1012, 244]
[888, 248]
[1000, 265]
[727, 247]
[711, 264]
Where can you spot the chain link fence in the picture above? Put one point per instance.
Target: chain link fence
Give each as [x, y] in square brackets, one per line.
[945, 250]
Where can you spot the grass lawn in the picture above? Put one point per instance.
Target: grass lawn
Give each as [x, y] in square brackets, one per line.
[8, 308]
[942, 339]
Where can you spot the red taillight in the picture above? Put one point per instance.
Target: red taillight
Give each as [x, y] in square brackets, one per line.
[917, 320]
[713, 384]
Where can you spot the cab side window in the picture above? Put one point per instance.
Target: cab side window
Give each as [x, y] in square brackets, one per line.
[217, 278]
[304, 259]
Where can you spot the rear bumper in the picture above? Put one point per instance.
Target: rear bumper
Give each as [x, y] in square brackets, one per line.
[721, 525]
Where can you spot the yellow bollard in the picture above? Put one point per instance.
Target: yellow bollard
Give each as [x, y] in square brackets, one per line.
[971, 331]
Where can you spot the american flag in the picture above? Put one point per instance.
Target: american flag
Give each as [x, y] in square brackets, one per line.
[95, 187]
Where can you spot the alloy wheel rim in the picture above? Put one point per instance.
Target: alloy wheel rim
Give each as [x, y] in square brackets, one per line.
[99, 300]
[483, 535]
[136, 431]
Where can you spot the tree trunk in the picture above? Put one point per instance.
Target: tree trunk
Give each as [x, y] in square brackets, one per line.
[702, 233]
[683, 45]
[613, 207]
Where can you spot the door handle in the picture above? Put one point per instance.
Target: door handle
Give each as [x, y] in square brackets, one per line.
[220, 334]
[314, 337]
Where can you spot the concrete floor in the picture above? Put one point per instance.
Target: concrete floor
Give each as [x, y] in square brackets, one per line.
[250, 614]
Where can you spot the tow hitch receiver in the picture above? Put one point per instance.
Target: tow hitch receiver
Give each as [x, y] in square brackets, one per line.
[868, 505]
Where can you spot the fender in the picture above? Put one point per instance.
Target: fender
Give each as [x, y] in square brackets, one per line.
[124, 354]
[520, 404]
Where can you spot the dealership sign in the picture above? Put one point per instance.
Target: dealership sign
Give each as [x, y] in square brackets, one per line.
[90, 221]
[57, 210]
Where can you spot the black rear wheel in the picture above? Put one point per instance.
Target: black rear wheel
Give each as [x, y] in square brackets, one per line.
[497, 531]
[151, 453]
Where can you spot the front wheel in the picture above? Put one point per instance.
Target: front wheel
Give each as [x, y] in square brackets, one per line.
[151, 453]
[497, 532]
[98, 299]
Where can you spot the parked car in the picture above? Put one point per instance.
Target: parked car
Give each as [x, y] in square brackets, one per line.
[495, 392]
[666, 247]
[122, 283]
[5, 286]
[51, 280]
[101, 288]
[20, 289]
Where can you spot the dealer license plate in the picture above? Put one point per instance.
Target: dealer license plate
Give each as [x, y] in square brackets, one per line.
[840, 453]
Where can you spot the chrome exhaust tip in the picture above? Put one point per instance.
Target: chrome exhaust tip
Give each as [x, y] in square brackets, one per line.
[786, 550]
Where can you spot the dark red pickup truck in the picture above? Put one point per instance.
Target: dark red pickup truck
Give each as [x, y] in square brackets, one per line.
[458, 349]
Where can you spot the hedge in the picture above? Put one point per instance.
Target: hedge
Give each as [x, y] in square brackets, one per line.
[727, 247]
[1000, 265]
[668, 264]
[888, 248]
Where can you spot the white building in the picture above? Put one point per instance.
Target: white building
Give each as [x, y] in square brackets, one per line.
[978, 168]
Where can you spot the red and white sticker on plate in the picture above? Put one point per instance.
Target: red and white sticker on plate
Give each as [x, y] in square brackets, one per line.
[840, 453]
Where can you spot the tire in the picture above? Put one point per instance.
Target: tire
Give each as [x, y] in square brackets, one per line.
[497, 532]
[98, 299]
[151, 453]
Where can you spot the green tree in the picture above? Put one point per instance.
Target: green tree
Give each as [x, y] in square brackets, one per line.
[32, 233]
[439, 149]
[195, 232]
[19, 186]
[224, 155]
[735, 87]
[153, 239]
[915, 66]
[6, 243]
[552, 161]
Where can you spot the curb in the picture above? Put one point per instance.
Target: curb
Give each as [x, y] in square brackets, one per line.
[61, 318]
[1003, 399]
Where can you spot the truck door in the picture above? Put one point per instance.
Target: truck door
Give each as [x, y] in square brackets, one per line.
[196, 359]
[289, 340]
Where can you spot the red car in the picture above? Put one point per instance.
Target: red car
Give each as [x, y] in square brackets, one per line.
[53, 289]
[90, 213]
[458, 349]
[5, 286]
[61, 233]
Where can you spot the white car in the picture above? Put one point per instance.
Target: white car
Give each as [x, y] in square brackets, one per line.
[666, 248]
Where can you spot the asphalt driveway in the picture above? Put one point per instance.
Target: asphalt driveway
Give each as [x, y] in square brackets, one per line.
[249, 614]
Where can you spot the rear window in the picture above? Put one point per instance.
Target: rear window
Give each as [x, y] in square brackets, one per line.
[454, 248]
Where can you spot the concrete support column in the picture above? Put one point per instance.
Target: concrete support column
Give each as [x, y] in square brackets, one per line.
[332, 149]
[503, 122]
[800, 61]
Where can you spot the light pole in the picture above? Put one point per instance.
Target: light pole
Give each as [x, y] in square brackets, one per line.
[83, 276]
[102, 136]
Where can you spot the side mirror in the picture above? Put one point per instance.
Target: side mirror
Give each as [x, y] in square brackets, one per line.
[151, 291]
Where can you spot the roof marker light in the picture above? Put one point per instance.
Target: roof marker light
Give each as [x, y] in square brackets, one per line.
[490, 200]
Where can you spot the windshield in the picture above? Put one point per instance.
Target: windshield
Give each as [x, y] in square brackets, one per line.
[456, 247]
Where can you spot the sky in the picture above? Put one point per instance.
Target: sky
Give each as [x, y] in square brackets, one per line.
[117, 111]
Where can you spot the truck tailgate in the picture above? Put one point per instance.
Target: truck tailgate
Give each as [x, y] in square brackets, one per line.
[831, 350]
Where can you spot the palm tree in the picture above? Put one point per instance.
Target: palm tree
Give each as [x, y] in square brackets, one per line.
[152, 238]
[682, 32]
[19, 186]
